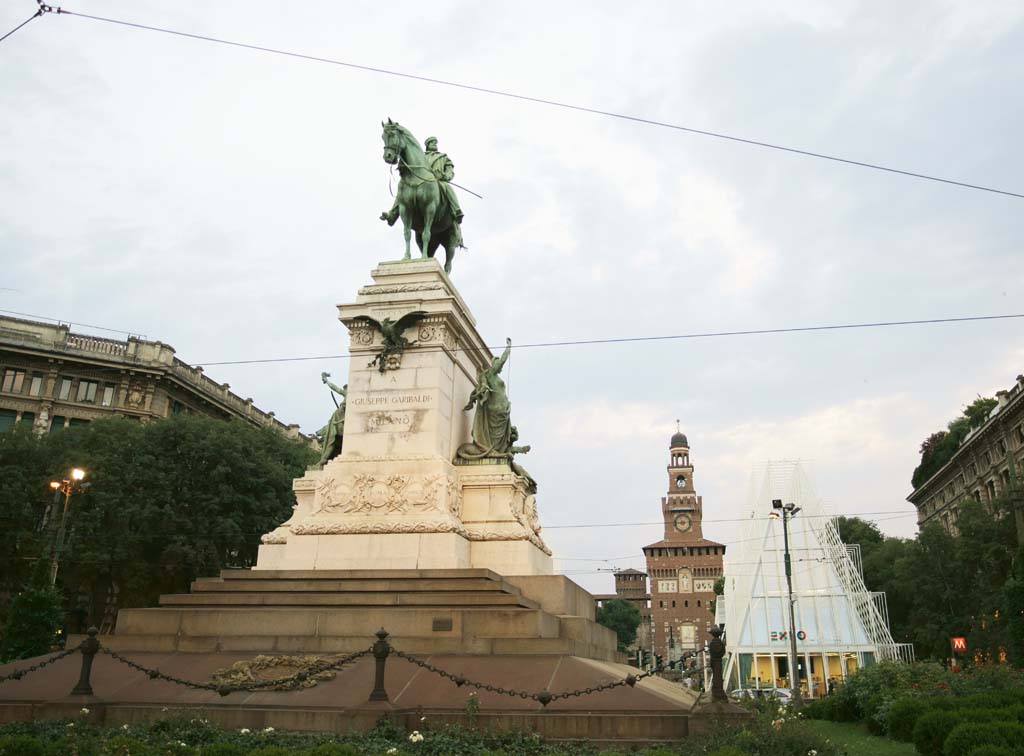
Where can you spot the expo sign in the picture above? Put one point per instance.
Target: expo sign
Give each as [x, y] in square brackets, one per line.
[784, 635]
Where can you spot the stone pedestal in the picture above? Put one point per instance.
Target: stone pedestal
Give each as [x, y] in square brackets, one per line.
[393, 499]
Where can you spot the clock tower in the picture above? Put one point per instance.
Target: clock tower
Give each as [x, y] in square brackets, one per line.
[684, 565]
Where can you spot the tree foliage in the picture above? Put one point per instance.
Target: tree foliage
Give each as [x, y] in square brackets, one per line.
[622, 617]
[168, 502]
[35, 617]
[940, 447]
[939, 586]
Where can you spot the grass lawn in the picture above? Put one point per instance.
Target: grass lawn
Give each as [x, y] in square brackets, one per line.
[858, 741]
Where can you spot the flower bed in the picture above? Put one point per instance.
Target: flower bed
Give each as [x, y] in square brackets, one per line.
[773, 732]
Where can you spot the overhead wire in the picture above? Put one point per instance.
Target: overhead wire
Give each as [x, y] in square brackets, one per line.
[541, 101]
[34, 16]
[674, 337]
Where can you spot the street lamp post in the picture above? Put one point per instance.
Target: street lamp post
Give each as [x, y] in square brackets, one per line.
[66, 487]
[785, 511]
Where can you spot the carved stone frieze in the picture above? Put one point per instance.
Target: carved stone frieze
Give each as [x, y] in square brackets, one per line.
[338, 527]
[400, 288]
[362, 336]
[454, 497]
[275, 536]
[436, 333]
[363, 493]
[492, 533]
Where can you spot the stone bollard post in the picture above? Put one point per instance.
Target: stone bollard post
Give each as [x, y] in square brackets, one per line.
[381, 649]
[89, 648]
[716, 650]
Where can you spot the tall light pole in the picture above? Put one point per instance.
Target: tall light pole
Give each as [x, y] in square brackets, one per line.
[785, 511]
[66, 487]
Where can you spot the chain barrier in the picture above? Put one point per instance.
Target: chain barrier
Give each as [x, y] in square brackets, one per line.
[380, 650]
[20, 673]
[544, 697]
[225, 689]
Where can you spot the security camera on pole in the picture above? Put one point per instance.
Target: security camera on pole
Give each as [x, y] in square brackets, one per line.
[784, 512]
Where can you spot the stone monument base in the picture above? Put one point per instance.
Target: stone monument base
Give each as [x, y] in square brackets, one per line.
[528, 633]
[407, 513]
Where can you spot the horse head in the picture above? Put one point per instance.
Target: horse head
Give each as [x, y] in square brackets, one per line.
[393, 141]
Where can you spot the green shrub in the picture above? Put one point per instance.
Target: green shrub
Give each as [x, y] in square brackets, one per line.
[728, 751]
[122, 745]
[74, 746]
[1012, 732]
[967, 735]
[991, 750]
[334, 749]
[223, 749]
[903, 715]
[21, 745]
[271, 750]
[931, 730]
[839, 707]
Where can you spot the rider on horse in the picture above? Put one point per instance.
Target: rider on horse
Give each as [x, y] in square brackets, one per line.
[443, 170]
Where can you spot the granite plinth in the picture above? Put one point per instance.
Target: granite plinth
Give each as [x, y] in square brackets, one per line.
[393, 499]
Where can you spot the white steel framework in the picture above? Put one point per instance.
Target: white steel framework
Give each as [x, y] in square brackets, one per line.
[840, 625]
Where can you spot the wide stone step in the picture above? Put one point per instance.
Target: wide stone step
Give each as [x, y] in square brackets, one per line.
[311, 623]
[357, 574]
[354, 585]
[339, 644]
[327, 598]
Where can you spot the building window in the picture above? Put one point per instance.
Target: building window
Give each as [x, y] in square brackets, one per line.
[698, 602]
[13, 380]
[28, 418]
[661, 604]
[1002, 447]
[991, 486]
[87, 391]
[36, 388]
[77, 421]
[64, 391]
[177, 408]
[7, 419]
[57, 423]
[108, 396]
[673, 604]
[686, 604]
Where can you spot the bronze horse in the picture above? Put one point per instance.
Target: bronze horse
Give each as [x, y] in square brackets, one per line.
[419, 201]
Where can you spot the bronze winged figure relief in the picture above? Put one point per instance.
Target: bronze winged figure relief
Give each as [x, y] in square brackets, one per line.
[393, 342]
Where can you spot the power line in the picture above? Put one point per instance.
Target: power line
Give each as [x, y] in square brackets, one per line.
[60, 321]
[629, 339]
[540, 101]
[896, 512]
[37, 14]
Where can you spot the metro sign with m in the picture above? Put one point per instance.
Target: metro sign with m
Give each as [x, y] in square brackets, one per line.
[959, 644]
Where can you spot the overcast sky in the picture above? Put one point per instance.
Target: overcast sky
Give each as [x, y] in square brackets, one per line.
[224, 201]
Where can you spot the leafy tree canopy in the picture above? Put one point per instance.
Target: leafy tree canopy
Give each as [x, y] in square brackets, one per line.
[168, 501]
[939, 448]
[622, 617]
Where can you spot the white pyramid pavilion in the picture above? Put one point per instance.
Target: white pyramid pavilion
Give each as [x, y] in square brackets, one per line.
[840, 625]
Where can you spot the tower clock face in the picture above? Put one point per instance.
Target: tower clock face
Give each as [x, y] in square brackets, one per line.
[682, 522]
[680, 481]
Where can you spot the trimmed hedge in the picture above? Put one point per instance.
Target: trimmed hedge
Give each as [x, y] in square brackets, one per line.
[931, 731]
[966, 735]
[21, 745]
